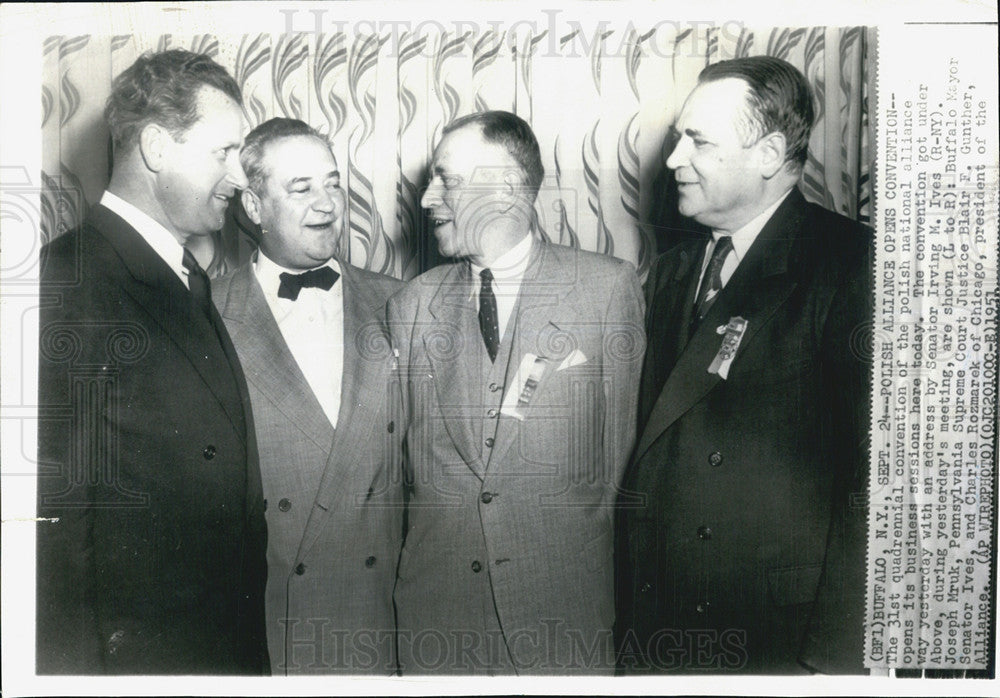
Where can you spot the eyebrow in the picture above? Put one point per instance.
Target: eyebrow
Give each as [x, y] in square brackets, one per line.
[299, 180]
[690, 132]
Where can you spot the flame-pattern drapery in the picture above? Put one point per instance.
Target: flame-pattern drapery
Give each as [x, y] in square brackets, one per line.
[601, 105]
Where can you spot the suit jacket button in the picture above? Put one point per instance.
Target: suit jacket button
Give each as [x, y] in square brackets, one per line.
[477, 566]
[489, 442]
[491, 413]
[715, 459]
[370, 562]
[646, 586]
[209, 452]
[300, 569]
[486, 497]
[702, 607]
[705, 533]
[284, 505]
[494, 387]
[392, 426]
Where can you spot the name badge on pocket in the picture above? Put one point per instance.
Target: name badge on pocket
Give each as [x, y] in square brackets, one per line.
[522, 389]
[733, 335]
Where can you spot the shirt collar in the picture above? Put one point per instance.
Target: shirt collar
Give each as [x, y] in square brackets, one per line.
[269, 272]
[509, 267]
[155, 234]
[744, 237]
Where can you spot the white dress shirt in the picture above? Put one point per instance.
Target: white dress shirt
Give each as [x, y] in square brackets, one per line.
[313, 328]
[163, 242]
[508, 271]
[742, 238]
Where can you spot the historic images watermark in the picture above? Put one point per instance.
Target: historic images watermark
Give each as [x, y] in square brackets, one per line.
[556, 34]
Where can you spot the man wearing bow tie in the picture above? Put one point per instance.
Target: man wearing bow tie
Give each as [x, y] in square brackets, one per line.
[523, 364]
[743, 529]
[309, 331]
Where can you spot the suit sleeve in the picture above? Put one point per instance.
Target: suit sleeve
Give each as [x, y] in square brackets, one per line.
[624, 347]
[834, 639]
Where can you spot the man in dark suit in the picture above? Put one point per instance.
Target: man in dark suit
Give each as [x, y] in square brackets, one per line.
[309, 330]
[152, 557]
[742, 535]
[523, 361]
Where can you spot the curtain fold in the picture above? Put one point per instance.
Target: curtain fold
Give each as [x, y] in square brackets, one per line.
[600, 99]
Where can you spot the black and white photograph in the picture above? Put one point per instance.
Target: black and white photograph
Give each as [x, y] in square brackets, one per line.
[495, 347]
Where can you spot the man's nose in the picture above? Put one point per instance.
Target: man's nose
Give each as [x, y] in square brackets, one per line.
[432, 195]
[679, 156]
[235, 173]
[323, 201]
[339, 199]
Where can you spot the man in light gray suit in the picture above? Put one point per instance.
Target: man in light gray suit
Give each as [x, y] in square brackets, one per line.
[309, 331]
[522, 362]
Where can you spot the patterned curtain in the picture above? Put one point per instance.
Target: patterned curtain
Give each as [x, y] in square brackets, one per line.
[600, 102]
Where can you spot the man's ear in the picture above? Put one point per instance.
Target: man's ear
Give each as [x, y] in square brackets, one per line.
[153, 143]
[251, 204]
[510, 189]
[771, 150]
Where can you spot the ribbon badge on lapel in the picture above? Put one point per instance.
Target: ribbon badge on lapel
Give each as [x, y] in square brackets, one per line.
[733, 335]
[529, 373]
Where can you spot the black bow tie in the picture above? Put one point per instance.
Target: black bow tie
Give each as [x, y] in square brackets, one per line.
[291, 284]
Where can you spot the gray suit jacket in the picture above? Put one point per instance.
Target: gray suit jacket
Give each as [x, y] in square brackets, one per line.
[333, 496]
[507, 564]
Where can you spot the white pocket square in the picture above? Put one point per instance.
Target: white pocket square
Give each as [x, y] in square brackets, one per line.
[575, 358]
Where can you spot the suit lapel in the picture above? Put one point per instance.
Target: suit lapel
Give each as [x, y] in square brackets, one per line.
[668, 316]
[540, 319]
[168, 301]
[267, 361]
[756, 290]
[364, 390]
[447, 343]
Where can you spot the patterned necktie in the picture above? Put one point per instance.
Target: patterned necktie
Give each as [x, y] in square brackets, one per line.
[711, 284]
[488, 323]
[291, 284]
[201, 290]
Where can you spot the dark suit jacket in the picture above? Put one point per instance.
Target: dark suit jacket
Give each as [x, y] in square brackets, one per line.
[335, 509]
[508, 556]
[148, 460]
[743, 527]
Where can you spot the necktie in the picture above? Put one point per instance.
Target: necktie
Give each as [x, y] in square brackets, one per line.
[291, 284]
[488, 322]
[201, 290]
[712, 283]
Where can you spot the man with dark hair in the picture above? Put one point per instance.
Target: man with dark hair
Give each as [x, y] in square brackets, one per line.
[742, 535]
[522, 360]
[151, 549]
[310, 331]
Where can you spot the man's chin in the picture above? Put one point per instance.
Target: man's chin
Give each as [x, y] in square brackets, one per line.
[687, 208]
[443, 235]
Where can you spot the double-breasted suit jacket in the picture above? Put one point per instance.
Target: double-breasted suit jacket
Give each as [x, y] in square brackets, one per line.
[155, 562]
[334, 495]
[743, 518]
[507, 561]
